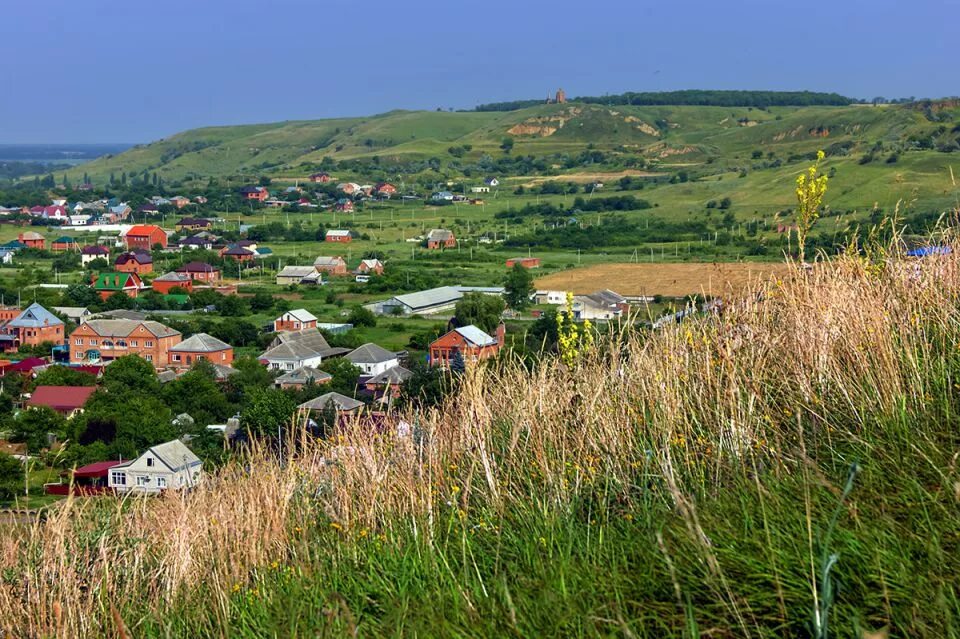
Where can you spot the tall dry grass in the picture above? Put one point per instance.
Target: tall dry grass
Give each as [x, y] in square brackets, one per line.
[814, 356]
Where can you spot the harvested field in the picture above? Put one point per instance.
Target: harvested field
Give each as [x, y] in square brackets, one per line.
[661, 278]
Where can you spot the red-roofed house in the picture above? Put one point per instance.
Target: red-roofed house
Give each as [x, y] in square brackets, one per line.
[32, 239]
[87, 480]
[525, 262]
[320, 178]
[67, 400]
[145, 236]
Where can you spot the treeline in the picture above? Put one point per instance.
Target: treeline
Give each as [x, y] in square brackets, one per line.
[612, 232]
[596, 205]
[696, 97]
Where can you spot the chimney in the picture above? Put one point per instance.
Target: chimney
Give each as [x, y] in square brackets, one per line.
[501, 333]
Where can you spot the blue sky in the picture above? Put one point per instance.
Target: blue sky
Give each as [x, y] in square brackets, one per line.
[131, 71]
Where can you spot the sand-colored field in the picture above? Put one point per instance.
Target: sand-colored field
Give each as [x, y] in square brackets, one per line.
[661, 279]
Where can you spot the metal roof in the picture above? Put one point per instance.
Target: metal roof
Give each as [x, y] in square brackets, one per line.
[201, 343]
[35, 316]
[429, 298]
[370, 354]
[475, 336]
[339, 402]
[301, 314]
[394, 375]
[125, 327]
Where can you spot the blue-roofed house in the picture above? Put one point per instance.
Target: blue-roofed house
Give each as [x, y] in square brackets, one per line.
[34, 326]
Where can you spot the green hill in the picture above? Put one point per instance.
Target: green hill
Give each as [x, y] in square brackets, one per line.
[626, 135]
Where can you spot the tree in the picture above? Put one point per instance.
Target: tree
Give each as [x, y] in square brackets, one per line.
[267, 410]
[519, 287]
[507, 145]
[31, 427]
[427, 387]
[261, 302]
[197, 393]
[483, 311]
[64, 376]
[81, 295]
[361, 316]
[119, 300]
[11, 477]
[344, 374]
[130, 373]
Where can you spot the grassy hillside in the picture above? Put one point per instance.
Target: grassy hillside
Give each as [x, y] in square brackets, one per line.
[661, 135]
[784, 468]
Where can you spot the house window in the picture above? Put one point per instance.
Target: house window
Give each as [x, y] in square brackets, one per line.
[143, 481]
[176, 358]
[149, 461]
[93, 342]
[133, 342]
[148, 344]
[118, 478]
[149, 358]
[161, 482]
[79, 341]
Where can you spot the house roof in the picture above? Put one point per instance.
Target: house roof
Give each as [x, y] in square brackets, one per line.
[252, 189]
[304, 375]
[61, 398]
[238, 250]
[338, 233]
[370, 354]
[136, 256]
[301, 314]
[372, 263]
[339, 402]
[324, 260]
[201, 343]
[173, 277]
[31, 235]
[143, 230]
[296, 271]
[96, 469]
[475, 336]
[73, 312]
[125, 327]
[64, 239]
[393, 375]
[439, 235]
[196, 267]
[173, 453]
[194, 221]
[111, 281]
[35, 316]
[298, 345]
[606, 297]
[95, 249]
[27, 365]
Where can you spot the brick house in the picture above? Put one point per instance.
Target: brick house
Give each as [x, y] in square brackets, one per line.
[108, 339]
[193, 224]
[179, 201]
[385, 188]
[370, 267]
[139, 262]
[440, 239]
[63, 244]
[34, 326]
[330, 265]
[32, 239]
[525, 262]
[200, 347]
[258, 193]
[337, 236]
[145, 236]
[321, 178]
[200, 271]
[169, 281]
[295, 320]
[106, 284]
[471, 342]
[238, 254]
[344, 205]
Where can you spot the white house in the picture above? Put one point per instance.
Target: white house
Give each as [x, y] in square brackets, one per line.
[551, 297]
[161, 467]
[372, 359]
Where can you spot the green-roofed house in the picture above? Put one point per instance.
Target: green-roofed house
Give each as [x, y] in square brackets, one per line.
[106, 284]
[63, 244]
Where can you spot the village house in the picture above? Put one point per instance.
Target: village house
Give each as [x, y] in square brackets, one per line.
[169, 466]
[32, 239]
[170, 281]
[32, 327]
[471, 343]
[302, 377]
[297, 275]
[525, 262]
[200, 347]
[193, 224]
[479, 189]
[295, 349]
[602, 305]
[91, 479]
[76, 314]
[335, 402]
[440, 239]
[257, 193]
[343, 205]
[388, 383]
[491, 181]
[433, 300]
[337, 236]
[108, 283]
[148, 209]
[372, 359]
[330, 265]
[91, 253]
[385, 189]
[104, 340]
[349, 188]
[238, 253]
[442, 196]
[63, 244]
[370, 267]
[295, 320]
[66, 400]
[179, 201]
[321, 178]
[200, 271]
[139, 262]
[145, 236]
[201, 240]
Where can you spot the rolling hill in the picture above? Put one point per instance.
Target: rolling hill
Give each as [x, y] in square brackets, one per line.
[665, 136]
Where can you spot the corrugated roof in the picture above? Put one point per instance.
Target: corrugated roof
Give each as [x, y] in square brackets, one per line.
[303, 375]
[327, 261]
[125, 327]
[35, 316]
[175, 454]
[430, 297]
[61, 398]
[439, 235]
[301, 314]
[394, 375]
[475, 336]
[338, 401]
[172, 277]
[370, 354]
[201, 343]
[296, 271]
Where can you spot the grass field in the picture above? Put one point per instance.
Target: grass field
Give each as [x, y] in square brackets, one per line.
[667, 279]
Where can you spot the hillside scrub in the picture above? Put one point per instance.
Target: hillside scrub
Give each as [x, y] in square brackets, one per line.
[756, 472]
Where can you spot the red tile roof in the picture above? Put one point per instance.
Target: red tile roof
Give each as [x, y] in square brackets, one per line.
[142, 230]
[96, 469]
[61, 398]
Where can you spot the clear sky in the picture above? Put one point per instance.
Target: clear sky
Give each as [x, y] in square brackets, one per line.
[133, 71]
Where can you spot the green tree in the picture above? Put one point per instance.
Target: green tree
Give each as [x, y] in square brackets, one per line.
[64, 376]
[483, 311]
[31, 427]
[344, 375]
[267, 410]
[130, 373]
[507, 145]
[261, 302]
[427, 387]
[361, 316]
[519, 287]
[11, 477]
[198, 394]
